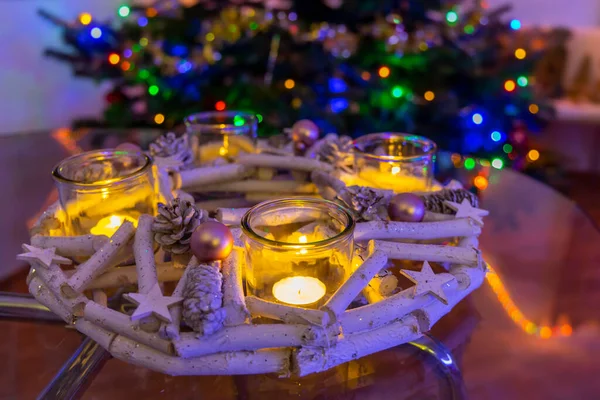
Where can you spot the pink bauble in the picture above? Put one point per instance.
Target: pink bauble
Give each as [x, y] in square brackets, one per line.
[134, 148]
[406, 207]
[211, 241]
[306, 132]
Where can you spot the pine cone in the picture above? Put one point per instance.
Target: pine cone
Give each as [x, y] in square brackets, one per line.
[94, 172]
[434, 202]
[175, 223]
[337, 152]
[172, 152]
[368, 204]
[203, 299]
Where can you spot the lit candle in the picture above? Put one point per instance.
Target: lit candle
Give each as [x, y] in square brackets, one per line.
[109, 225]
[299, 290]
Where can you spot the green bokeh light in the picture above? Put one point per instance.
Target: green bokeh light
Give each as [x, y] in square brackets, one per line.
[507, 148]
[144, 74]
[124, 11]
[522, 81]
[259, 117]
[397, 91]
[153, 90]
[469, 163]
[451, 17]
[469, 29]
[238, 120]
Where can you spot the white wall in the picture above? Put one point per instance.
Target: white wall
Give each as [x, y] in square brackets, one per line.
[39, 93]
[571, 13]
[35, 91]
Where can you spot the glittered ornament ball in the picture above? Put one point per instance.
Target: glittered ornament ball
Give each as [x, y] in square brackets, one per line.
[211, 241]
[305, 132]
[406, 207]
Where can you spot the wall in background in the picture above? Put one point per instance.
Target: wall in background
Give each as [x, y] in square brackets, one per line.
[39, 93]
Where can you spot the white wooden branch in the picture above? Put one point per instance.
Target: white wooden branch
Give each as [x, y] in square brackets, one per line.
[208, 175]
[233, 291]
[255, 337]
[415, 230]
[233, 363]
[145, 264]
[71, 246]
[143, 251]
[99, 335]
[127, 275]
[287, 314]
[426, 252]
[54, 279]
[283, 162]
[45, 296]
[344, 295]
[308, 360]
[120, 323]
[251, 185]
[100, 261]
[381, 313]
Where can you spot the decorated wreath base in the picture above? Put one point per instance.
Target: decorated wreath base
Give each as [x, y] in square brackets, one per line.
[206, 325]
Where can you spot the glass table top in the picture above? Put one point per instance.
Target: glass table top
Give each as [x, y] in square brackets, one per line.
[531, 331]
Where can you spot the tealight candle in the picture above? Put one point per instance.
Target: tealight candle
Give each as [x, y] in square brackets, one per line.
[299, 290]
[298, 250]
[109, 225]
[98, 190]
[395, 161]
[222, 134]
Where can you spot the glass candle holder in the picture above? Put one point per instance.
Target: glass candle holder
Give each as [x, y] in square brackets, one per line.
[396, 161]
[98, 190]
[222, 133]
[298, 251]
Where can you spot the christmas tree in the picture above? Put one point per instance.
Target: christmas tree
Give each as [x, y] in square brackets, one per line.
[454, 71]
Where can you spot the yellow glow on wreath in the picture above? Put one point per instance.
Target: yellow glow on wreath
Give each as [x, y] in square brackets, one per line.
[511, 309]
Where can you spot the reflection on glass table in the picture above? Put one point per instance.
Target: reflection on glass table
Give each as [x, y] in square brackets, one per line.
[531, 331]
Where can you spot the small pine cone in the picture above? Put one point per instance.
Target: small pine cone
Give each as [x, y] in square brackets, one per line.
[434, 202]
[175, 223]
[368, 204]
[337, 152]
[172, 152]
[203, 299]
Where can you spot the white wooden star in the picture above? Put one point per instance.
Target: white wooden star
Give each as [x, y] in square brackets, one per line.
[152, 303]
[466, 210]
[427, 281]
[44, 257]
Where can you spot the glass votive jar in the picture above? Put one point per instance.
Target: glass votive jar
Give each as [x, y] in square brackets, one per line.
[395, 161]
[298, 250]
[222, 133]
[98, 190]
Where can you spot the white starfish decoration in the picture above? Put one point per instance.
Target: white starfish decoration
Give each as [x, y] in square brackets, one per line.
[426, 281]
[152, 303]
[466, 210]
[44, 257]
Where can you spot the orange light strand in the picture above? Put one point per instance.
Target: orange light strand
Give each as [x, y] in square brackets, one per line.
[511, 309]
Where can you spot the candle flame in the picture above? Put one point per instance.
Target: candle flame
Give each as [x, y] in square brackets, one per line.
[395, 170]
[303, 239]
